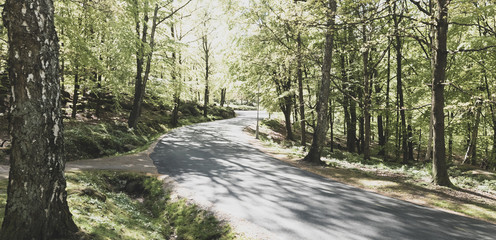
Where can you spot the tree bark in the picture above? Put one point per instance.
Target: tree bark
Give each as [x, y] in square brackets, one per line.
[471, 154]
[428, 152]
[36, 196]
[380, 125]
[299, 74]
[439, 56]
[206, 52]
[322, 102]
[399, 86]
[366, 99]
[75, 95]
[140, 59]
[222, 96]
[174, 76]
[410, 142]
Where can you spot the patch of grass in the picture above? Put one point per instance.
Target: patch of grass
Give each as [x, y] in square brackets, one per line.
[121, 205]
[193, 223]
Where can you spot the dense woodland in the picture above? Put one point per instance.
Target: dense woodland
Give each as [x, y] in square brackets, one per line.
[383, 61]
[407, 80]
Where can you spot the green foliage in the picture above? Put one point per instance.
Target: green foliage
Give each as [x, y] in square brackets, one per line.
[105, 139]
[193, 223]
[136, 207]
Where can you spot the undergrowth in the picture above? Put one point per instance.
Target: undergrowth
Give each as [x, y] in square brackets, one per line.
[418, 172]
[122, 205]
[93, 139]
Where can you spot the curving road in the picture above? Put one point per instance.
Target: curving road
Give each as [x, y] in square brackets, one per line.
[214, 165]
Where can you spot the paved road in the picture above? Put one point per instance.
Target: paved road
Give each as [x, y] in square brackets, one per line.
[214, 164]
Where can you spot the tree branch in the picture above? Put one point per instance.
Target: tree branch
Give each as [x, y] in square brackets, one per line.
[417, 3]
[472, 50]
[173, 12]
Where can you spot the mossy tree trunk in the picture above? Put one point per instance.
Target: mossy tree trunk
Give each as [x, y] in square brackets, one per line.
[36, 202]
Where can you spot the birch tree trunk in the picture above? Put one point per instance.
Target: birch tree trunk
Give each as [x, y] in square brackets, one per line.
[37, 200]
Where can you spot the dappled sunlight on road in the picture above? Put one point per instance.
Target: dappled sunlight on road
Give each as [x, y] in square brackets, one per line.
[214, 164]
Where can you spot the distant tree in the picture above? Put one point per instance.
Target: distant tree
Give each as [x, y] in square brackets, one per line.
[36, 196]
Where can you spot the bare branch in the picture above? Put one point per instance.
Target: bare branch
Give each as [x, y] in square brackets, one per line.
[472, 50]
[417, 3]
[173, 12]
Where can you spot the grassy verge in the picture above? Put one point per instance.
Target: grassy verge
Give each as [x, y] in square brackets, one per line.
[108, 137]
[120, 205]
[474, 196]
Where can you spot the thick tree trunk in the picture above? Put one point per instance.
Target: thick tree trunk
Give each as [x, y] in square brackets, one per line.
[322, 102]
[36, 202]
[439, 55]
[299, 74]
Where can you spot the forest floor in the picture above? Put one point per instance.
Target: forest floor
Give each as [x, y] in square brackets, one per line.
[474, 196]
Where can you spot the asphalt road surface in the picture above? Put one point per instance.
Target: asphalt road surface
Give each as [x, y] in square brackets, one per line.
[214, 165]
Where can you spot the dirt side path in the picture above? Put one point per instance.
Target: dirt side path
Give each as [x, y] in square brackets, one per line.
[138, 162]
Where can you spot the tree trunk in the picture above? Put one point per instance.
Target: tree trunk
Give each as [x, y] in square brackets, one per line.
[388, 89]
[140, 59]
[349, 108]
[75, 96]
[380, 125]
[410, 142]
[36, 196]
[222, 96]
[493, 117]
[361, 134]
[428, 152]
[174, 76]
[322, 102]
[331, 123]
[366, 99]
[471, 154]
[439, 55]
[399, 87]
[299, 74]
[206, 52]
[287, 118]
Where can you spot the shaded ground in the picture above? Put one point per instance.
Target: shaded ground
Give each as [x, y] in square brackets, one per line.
[215, 165]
